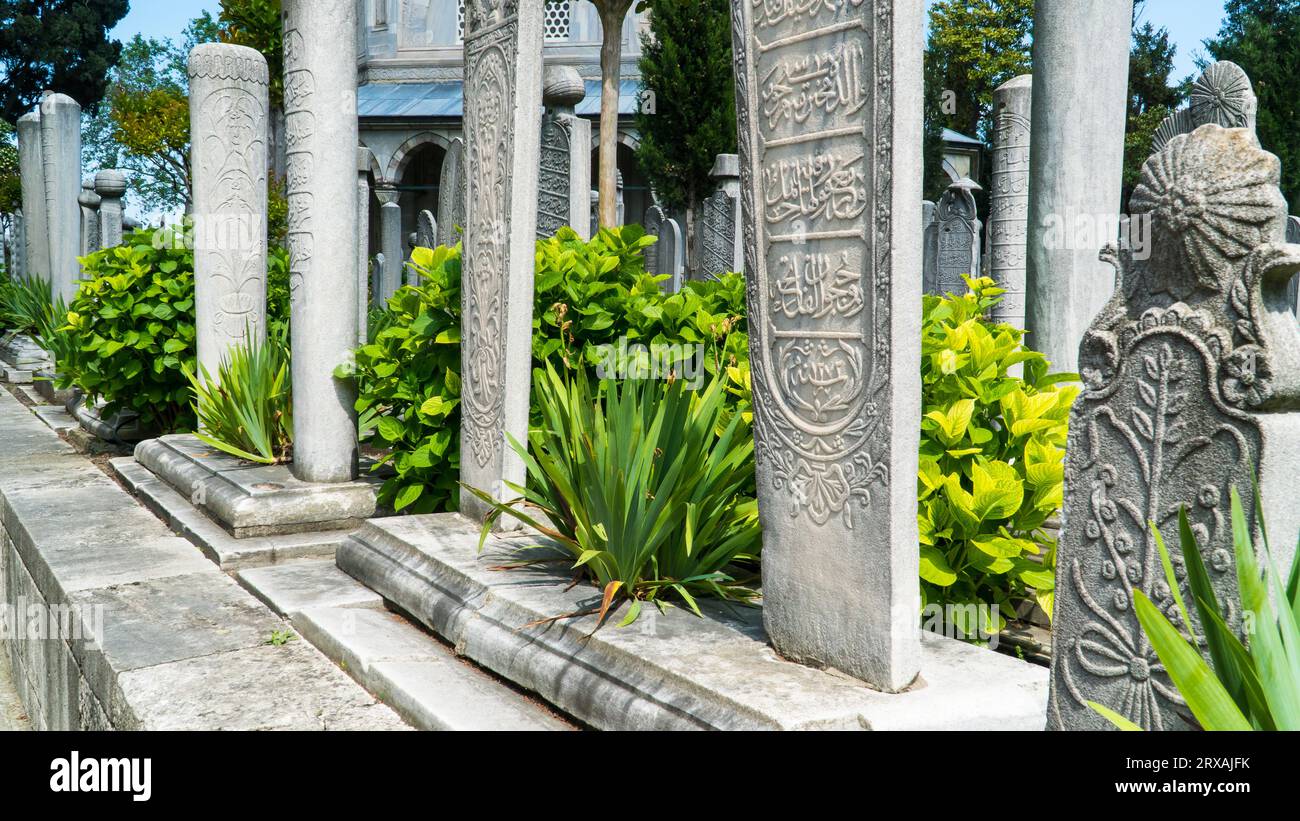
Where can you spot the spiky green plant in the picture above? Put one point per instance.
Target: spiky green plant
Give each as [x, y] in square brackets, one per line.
[640, 483]
[247, 411]
[1250, 686]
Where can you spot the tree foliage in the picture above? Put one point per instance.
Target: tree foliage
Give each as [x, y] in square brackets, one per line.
[256, 24]
[690, 101]
[61, 45]
[1263, 37]
[1150, 97]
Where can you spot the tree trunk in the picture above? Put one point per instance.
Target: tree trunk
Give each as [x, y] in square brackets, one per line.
[612, 13]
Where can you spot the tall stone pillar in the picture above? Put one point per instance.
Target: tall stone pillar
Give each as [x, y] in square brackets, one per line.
[320, 90]
[61, 157]
[229, 112]
[1009, 196]
[36, 239]
[390, 241]
[1080, 94]
[110, 185]
[565, 176]
[831, 195]
[503, 97]
[363, 243]
[89, 202]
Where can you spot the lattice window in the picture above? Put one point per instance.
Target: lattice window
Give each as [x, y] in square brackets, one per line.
[555, 20]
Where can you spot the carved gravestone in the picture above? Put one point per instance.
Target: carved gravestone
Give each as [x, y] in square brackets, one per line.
[929, 244]
[229, 111]
[61, 160]
[426, 230]
[718, 233]
[829, 129]
[18, 247]
[1191, 382]
[1222, 95]
[564, 174]
[1293, 290]
[503, 90]
[89, 202]
[956, 237]
[654, 222]
[451, 194]
[1009, 196]
[672, 256]
[36, 240]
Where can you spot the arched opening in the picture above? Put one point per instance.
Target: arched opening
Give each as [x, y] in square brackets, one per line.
[419, 187]
[636, 190]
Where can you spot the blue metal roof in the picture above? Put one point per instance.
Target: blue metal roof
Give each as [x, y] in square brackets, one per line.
[419, 100]
[950, 136]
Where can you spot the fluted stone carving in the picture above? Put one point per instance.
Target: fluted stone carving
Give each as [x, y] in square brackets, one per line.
[1009, 196]
[61, 160]
[36, 239]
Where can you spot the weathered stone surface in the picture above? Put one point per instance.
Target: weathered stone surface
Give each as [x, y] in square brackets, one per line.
[834, 270]
[956, 236]
[1080, 97]
[36, 239]
[673, 254]
[503, 87]
[320, 90]
[654, 227]
[364, 158]
[1008, 228]
[61, 158]
[293, 587]
[426, 230]
[1192, 387]
[229, 111]
[89, 202]
[255, 500]
[1222, 95]
[1293, 237]
[451, 194]
[390, 239]
[666, 671]
[218, 545]
[564, 175]
[110, 185]
[720, 239]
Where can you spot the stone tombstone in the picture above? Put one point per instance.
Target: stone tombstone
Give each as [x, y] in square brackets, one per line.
[564, 174]
[363, 243]
[672, 256]
[1191, 387]
[320, 104]
[503, 91]
[451, 194]
[89, 202]
[390, 240]
[1222, 94]
[377, 272]
[1080, 103]
[1009, 196]
[956, 232]
[18, 246]
[426, 230]
[718, 233]
[654, 222]
[36, 240]
[593, 198]
[1293, 290]
[229, 112]
[61, 160]
[110, 185]
[929, 244]
[829, 128]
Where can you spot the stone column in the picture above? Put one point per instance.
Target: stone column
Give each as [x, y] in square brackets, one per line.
[1080, 93]
[565, 176]
[110, 185]
[18, 246]
[363, 243]
[1009, 196]
[36, 238]
[89, 202]
[229, 111]
[503, 96]
[451, 194]
[1191, 388]
[61, 158]
[832, 195]
[320, 90]
[390, 240]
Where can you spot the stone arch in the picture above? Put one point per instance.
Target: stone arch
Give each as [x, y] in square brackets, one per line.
[402, 156]
[375, 171]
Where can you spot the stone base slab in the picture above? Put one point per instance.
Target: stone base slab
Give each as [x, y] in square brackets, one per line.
[227, 551]
[249, 499]
[665, 671]
[44, 385]
[20, 352]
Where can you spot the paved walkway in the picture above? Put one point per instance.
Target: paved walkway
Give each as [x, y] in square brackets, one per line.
[12, 714]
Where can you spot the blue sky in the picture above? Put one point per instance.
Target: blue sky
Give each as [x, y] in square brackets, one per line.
[1189, 22]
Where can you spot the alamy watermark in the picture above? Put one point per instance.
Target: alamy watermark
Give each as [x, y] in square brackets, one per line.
[1077, 231]
[26, 620]
[635, 360]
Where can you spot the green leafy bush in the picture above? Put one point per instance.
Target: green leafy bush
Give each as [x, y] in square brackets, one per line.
[635, 483]
[247, 411]
[991, 467]
[588, 294]
[130, 330]
[1253, 685]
